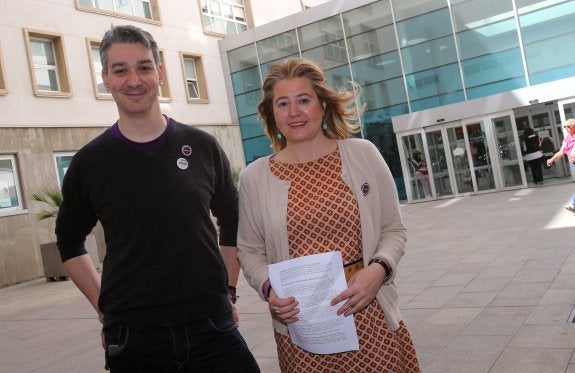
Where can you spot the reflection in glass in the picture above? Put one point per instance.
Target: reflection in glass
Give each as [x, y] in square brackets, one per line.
[319, 33]
[417, 167]
[8, 185]
[438, 162]
[277, 47]
[479, 152]
[546, 32]
[507, 151]
[459, 156]
[368, 17]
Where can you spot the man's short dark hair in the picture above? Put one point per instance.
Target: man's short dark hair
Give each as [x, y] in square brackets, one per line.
[127, 34]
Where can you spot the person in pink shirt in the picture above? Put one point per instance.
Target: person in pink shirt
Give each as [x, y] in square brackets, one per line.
[567, 148]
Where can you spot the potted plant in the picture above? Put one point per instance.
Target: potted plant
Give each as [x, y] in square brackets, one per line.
[53, 267]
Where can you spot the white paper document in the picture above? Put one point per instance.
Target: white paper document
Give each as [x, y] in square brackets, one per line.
[314, 280]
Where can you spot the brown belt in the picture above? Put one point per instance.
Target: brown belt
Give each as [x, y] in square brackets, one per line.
[351, 268]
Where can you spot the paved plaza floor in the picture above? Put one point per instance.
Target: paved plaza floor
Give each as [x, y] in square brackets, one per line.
[487, 285]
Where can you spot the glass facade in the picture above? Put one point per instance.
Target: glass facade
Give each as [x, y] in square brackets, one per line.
[410, 56]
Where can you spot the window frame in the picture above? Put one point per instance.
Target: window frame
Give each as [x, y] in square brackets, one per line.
[246, 4]
[165, 93]
[3, 88]
[19, 208]
[63, 80]
[154, 9]
[56, 156]
[200, 77]
[95, 43]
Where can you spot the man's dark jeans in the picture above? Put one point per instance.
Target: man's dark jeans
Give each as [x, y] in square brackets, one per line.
[208, 345]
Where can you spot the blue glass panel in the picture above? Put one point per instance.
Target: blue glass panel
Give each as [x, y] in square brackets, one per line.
[338, 77]
[256, 148]
[383, 94]
[251, 126]
[489, 39]
[493, 68]
[551, 75]
[547, 23]
[377, 68]
[329, 55]
[379, 130]
[497, 87]
[434, 82]
[550, 54]
[246, 80]
[247, 103]
[242, 58]
[428, 55]
[437, 101]
[424, 27]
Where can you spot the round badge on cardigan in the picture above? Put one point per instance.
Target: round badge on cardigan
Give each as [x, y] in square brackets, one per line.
[365, 189]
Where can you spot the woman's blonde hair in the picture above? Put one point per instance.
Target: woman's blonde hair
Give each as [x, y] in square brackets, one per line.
[340, 106]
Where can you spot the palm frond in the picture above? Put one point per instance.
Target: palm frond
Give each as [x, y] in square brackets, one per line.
[52, 197]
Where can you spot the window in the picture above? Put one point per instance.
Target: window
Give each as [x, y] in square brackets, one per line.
[62, 161]
[96, 66]
[196, 89]
[10, 194]
[140, 9]
[2, 81]
[224, 16]
[165, 86]
[47, 64]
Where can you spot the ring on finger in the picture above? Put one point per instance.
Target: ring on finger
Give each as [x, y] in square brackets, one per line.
[276, 309]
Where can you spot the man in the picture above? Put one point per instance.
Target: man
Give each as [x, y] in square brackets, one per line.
[152, 182]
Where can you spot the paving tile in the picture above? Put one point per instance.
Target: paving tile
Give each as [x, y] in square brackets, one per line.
[545, 336]
[483, 284]
[434, 297]
[474, 299]
[555, 297]
[532, 360]
[454, 279]
[563, 281]
[549, 315]
[494, 324]
[521, 294]
[476, 349]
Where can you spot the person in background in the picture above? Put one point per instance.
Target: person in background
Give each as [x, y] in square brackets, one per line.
[567, 148]
[324, 191]
[421, 172]
[533, 155]
[167, 289]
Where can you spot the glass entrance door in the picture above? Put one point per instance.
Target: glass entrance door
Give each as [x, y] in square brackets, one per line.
[414, 155]
[508, 154]
[438, 158]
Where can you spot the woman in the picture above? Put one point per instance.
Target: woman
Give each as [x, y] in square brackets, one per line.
[323, 191]
[567, 148]
[533, 154]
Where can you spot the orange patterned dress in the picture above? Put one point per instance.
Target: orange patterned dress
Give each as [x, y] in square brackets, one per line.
[323, 216]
